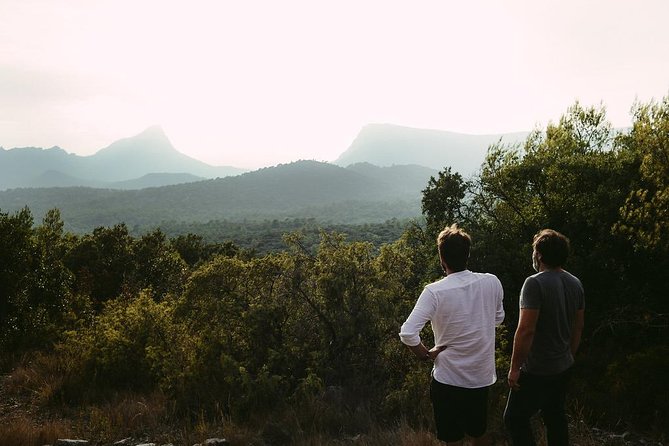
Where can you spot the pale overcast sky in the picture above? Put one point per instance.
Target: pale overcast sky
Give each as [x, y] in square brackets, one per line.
[254, 83]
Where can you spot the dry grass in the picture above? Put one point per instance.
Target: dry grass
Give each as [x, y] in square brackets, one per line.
[134, 418]
[31, 415]
[24, 432]
[37, 376]
[127, 416]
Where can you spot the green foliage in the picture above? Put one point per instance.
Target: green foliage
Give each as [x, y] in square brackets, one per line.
[225, 352]
[110, 261]
[193, 249]
[119, 349]
[17, 261]
[158, 265]
[645, 214]
[263, 237]
[442, 202]
[638, 388]
[101, 261]
[34, 283]
[413, 394]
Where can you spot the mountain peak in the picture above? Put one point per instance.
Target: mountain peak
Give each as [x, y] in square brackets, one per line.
[151, 141]
[154, 132]
[389, 144]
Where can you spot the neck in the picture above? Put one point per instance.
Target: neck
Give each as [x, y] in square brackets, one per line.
[452, 271]
[543, 268]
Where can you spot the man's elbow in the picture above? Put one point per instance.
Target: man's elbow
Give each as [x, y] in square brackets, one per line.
[410, 340]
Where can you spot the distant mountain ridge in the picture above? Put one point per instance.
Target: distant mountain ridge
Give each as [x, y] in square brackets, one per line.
[123, 163]
[156, 180]
[144, 180]
[359, 193]
[388, 144]
[126, 160]
[54, 178]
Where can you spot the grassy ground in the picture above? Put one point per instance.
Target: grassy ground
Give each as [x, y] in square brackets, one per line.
[31, 415]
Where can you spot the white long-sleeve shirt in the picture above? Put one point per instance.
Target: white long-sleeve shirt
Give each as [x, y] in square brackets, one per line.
[464, 308]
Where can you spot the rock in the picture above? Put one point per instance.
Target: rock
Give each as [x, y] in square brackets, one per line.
[216, 442]
[125, 441]
[67, 442]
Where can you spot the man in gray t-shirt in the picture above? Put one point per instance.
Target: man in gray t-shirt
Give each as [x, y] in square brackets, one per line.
[549, 330]
[558, 296]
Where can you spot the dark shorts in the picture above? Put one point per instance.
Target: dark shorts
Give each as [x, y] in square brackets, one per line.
[459, 411]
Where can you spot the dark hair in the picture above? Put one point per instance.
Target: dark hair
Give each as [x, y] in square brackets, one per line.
[454, 244]
[553, 247]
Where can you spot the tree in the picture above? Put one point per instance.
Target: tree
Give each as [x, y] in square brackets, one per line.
[333, 292]
[101, 262]
[193, 249]
[17, 261]
[34, 283]
[442, 201]
[157, 265]
[572, 178]
[645, 214]
[52, 281]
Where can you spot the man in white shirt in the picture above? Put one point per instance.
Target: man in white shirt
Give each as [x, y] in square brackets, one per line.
[464, 308]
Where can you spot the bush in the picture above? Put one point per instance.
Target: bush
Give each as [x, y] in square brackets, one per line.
[639, 389]
[118, 350]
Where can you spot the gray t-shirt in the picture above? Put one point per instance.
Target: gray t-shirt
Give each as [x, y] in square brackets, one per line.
[557, 295]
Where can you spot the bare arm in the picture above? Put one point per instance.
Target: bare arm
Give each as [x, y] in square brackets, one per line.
[522, 342]
[577, 330]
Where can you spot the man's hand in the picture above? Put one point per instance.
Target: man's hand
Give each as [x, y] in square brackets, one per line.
[512, 378]
[434, 351]
[423, 353]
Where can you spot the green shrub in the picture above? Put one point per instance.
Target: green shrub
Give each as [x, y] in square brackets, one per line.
[639, 387]
[118, 350]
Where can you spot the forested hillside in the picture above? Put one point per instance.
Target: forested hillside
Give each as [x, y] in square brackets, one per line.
[300, 346]
[305, 189]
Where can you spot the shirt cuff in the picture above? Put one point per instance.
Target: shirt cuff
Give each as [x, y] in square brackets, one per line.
[410, 339]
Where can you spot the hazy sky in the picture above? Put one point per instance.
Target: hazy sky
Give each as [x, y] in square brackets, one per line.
[254, 83]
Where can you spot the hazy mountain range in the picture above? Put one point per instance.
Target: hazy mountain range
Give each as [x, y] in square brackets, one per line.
[122, 165]
[150, 160]
[381, 176]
